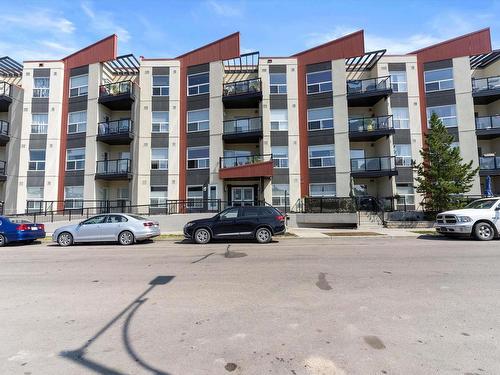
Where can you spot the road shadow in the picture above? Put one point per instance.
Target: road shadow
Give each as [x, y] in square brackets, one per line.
[101, 243]
[434, 237]
[21, 243]
[78, 356]
[225, 241]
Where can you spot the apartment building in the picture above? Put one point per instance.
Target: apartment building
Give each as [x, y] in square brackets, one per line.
[216, 125]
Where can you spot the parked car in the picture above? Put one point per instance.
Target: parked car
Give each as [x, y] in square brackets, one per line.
[257, 222]
[19, 230]
[122, 228]
[479, 219]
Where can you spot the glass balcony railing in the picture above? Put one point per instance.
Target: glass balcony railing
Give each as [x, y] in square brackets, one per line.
[489, 162]
[243, 125]
[488, 122]
[5, 89]
[488, 83]
[235, 161]
[370, 85]
[115, 127]
[114, 167]
[116, 88]
[249, 86]
[4, 128]
[384, 163]
[367, 124]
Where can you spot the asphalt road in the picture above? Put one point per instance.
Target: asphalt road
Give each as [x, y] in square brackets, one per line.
[300, 306]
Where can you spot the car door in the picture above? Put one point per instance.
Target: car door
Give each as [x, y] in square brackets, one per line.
[90, 229]
[247, 221]
[224, 226]
[113, 225]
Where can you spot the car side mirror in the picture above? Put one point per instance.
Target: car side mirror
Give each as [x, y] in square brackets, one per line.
[80, 223]
[497, 208]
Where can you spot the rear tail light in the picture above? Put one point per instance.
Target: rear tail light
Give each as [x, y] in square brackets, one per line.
[22, 227]
[280, 218]
[149, 224]
[41, 226]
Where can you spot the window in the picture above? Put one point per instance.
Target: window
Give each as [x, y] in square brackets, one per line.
[198, 157]
[34, 198]
[322, 190]
[280, 156]
[195, 196]
[95, 220]
[73, 197]
[77, 122]
[75, 159]
[319, 82]
[406, 194]
[159, 122]
[41, 87]
[277, 83]
[198, 120]
[39, 123]
[398, 81]
[455, 144]
[161, 85]
[159, 158]
[400, 117]
[37, 160]
[78, 85]
[158, 196]
[198, 84]
[321, 156]
[403, 155]
[439, 79]
[447, 114]
[230, 213]
[279, 119]
[281, 195]
[320, 118]
[116, 219]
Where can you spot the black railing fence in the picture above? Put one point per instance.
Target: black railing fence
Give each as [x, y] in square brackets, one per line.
[362, 86]
[249, 86]
[115, 127]
[116, 88]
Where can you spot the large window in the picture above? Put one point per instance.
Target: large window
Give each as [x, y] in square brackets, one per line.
[75, 159]
[198, 157]
[195, 196]
[447, 114]
[281, 195]
[398, 81]
[161, 85]
[322, 190]
[403, 155]
[280, 156]
[439, 79]
[37, 160]
[400, 117]
[198, 83]
[319, 82]
[279, 119]
[159, 158]
[159, 122]
[78, 85]
[34, 198]
[73, 197]
[321, 156]
[77, 122]
[39, 123]
[158, 196]
[406, 194]
[41, 87]
[198, 120]
[277, 83]
[320, 118]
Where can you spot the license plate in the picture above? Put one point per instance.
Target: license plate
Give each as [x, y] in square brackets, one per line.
[34, 228]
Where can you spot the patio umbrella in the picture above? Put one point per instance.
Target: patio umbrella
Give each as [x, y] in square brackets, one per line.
[487, 187]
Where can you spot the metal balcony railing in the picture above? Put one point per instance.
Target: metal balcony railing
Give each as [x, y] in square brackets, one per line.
[384, 163]
[235, 161]
[114, 167]
[116, 88]
[489, 162]
[5, 89]
[249, 86]
[4, 127]
[115, 127]
[243, 125]
[366, 124]
[370, 85]
[488, 83]
[488, 122]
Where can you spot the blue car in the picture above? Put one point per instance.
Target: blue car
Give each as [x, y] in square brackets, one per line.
[19, 230]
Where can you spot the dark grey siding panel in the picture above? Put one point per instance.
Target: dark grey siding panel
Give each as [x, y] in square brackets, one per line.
[433, 65]
[434, 99]
[38, 141]
[159, 178]
[327, 65]
[198, 102]
[198, 139]
[198, 68]
[75, 140]
[278, 101]
[277, 68]
[402, 136]
[397, 67]
[159, 103]
[399, 99]
[161, 70]
[321, 175]
[74, 178]
[40, 105]
[78, 103]
[159, 140]
[41, 72]
[197, 177]
[279, 138]
[321, 137]
[79, 71]
[325, 99]
[405, 174]
[280, 176]
[35, 179]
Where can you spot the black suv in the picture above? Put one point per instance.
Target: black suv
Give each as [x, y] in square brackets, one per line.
[258, 222]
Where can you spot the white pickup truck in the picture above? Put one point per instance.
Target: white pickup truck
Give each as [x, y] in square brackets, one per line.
[480, 219]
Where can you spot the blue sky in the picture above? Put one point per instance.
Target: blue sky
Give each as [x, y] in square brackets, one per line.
[53, 29]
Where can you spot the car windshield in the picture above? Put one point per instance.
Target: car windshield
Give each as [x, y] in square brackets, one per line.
[137, 217]
[482, 204]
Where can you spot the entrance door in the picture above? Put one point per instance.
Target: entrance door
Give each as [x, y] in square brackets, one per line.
[242, 196]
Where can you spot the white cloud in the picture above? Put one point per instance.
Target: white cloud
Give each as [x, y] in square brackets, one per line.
[104, 22]
[39, 19]
[225, 9]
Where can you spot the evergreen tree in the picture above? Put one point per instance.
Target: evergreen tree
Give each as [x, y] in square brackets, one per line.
[442, 172]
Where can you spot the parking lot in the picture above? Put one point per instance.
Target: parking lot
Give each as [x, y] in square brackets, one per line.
[298, 306]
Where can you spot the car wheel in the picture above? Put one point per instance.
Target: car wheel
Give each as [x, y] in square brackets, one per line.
[65, 239]
[202, 236]
[484, 231]
[263, 235]
[126, 238]
[2, 240]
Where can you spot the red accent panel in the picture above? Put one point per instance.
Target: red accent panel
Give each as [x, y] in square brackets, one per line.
[348, 46]
[264, 169]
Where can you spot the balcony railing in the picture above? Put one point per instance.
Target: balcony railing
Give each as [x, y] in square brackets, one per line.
[376, 164]
[488, 122]
[370, 85]
[236, 161]
[249, 86]
[116, 127]
[489, 83]
[3, 168]
[114, 167]
[489, 162]
[243, 125]
[5, 89]
[116, 88]
[367, 124]
[4, 128]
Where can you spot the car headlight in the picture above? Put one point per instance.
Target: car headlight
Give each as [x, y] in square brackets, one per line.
[189, 225]
[464, 219]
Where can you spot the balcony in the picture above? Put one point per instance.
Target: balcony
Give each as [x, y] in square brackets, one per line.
[488, 127]
[118, 132]
[3, 170]
[118, 96]
[489, 165]
[242, 94]
[5, 98]
[243, 130]
[374, 167]
[370, 128]
[367, 92]
[486, 90]
[4, 133]
[245, 167]
[119, 169]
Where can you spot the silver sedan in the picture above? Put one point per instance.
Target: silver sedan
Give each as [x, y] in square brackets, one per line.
[123, 228]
